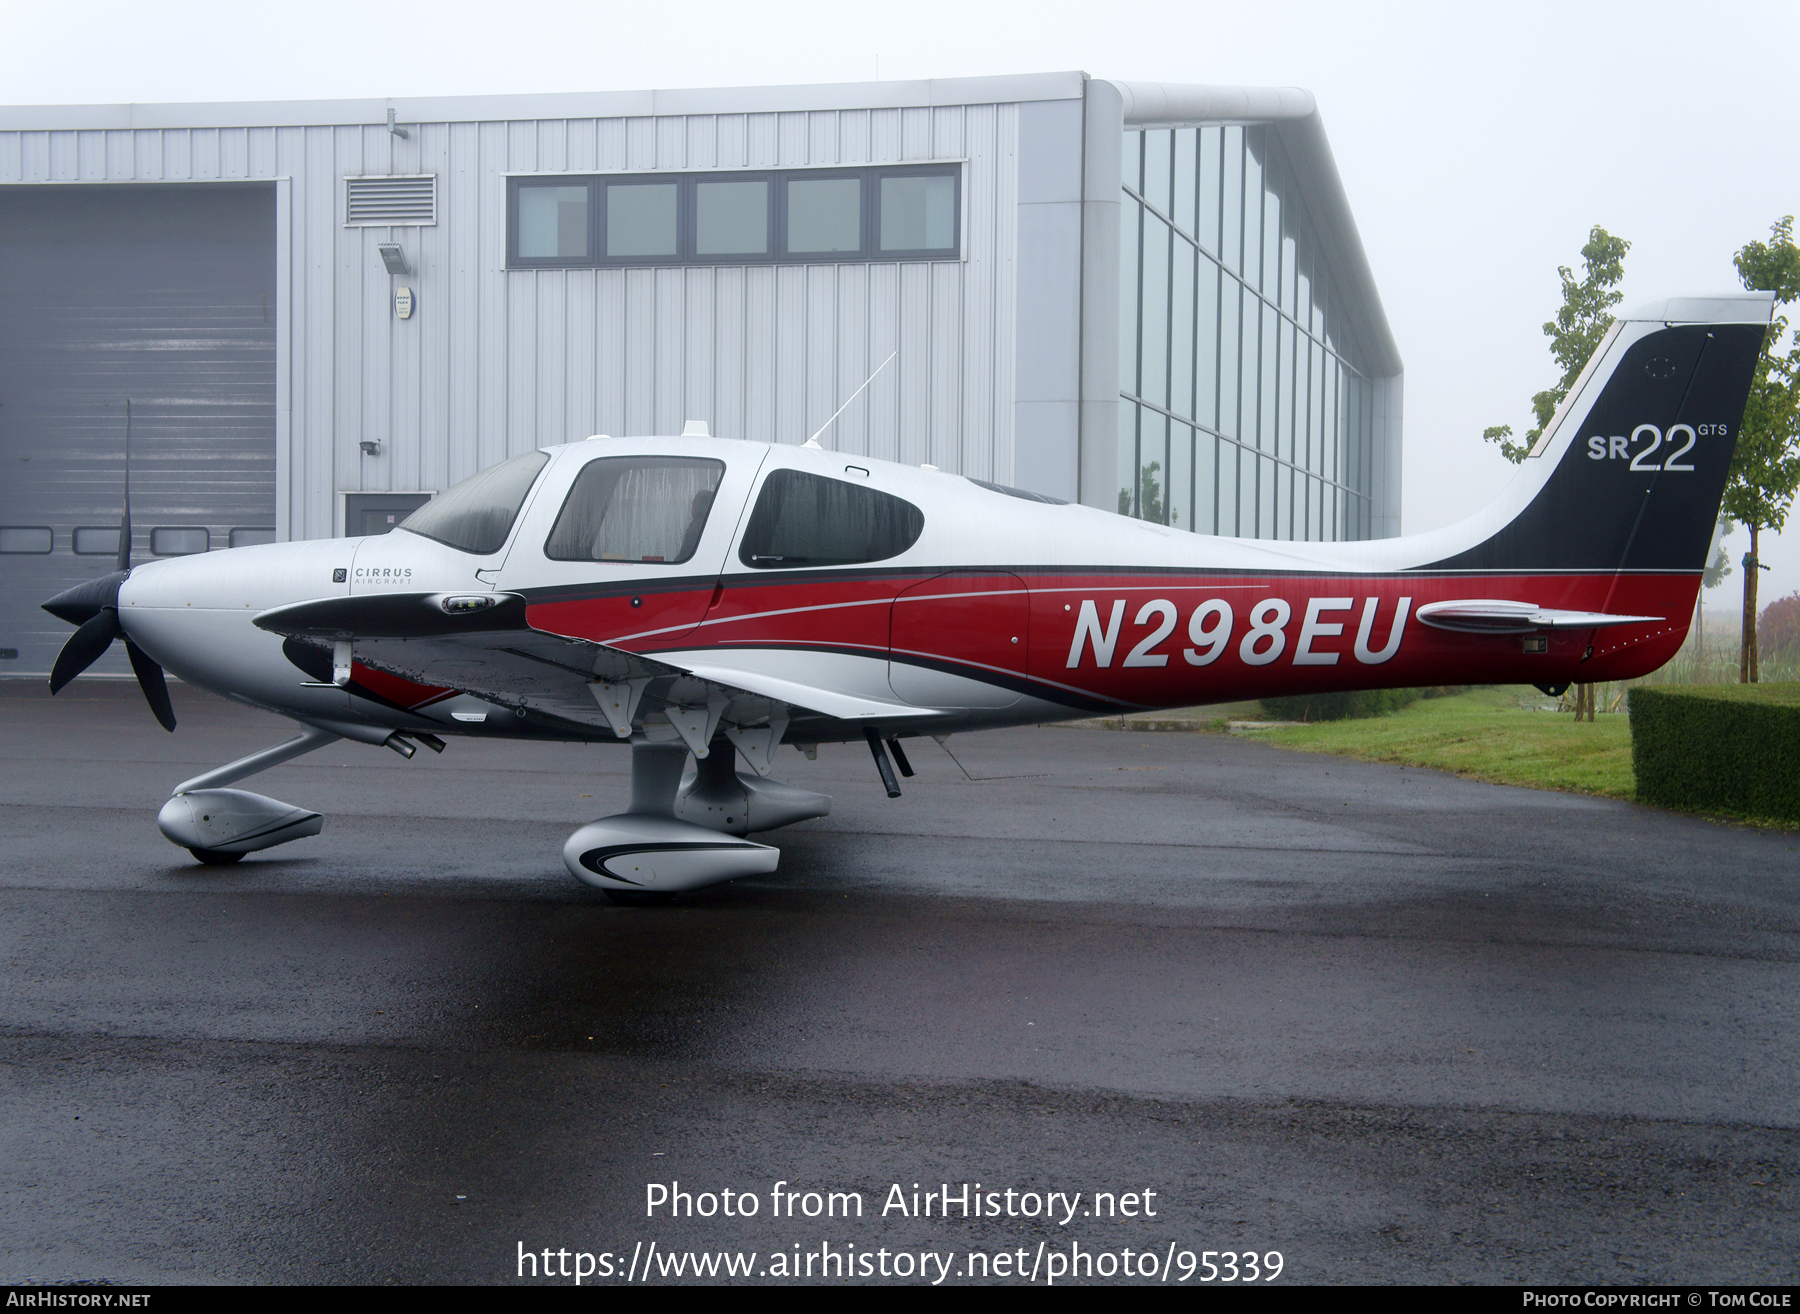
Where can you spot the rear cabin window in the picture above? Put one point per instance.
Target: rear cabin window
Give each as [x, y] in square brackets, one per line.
[636, 508]
[477, 514]
[805, 520]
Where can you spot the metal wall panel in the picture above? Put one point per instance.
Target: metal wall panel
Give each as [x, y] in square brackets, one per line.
[730, 353]
[609, 349]
[697, 344]
[883, 414]
[670, 363]
[850, 363]
[818, 326]
[761, 352]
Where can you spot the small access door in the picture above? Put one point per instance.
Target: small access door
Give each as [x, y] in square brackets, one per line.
[960, 640]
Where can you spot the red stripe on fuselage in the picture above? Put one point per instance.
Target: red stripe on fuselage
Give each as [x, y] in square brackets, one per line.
[632, 621]
[855, 613]
[1325, 661]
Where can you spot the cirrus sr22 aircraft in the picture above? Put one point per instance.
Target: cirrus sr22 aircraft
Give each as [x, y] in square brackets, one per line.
[704, 597]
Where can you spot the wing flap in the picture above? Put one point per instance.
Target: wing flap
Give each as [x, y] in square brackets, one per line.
[839, 704]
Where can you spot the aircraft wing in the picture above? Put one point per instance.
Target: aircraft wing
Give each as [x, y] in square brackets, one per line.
[481, 644]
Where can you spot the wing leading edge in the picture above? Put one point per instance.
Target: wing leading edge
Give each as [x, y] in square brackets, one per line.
[482, 644]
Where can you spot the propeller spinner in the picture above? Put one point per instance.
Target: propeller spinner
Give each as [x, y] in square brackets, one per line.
[94, 607]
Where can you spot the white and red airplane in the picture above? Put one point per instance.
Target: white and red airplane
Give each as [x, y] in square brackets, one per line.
[717, 598]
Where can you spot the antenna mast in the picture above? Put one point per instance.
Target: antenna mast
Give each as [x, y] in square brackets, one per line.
[125, 507]
[814, 440]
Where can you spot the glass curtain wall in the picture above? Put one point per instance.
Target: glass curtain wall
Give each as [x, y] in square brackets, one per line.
[1242, 415]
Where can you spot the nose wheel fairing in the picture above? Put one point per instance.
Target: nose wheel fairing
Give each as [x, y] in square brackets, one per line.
[233, 821]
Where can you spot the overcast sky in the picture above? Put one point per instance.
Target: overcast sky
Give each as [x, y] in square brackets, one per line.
[1477, 148]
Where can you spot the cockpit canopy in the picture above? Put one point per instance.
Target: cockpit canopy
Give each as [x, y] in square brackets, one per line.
[652, 508]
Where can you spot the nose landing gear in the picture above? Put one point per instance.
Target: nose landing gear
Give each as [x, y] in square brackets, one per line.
[219, 826]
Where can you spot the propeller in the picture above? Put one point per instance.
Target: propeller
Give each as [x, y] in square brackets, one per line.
[94, 608]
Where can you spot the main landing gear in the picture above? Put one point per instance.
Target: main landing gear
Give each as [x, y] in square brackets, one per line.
[685, 835]
[679, 832]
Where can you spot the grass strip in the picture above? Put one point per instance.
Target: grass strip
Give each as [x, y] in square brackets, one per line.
[1500, 735]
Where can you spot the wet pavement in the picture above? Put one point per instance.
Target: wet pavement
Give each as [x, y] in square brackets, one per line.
[1394, 1025]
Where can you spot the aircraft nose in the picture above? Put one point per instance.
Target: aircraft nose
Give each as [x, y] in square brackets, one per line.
[94, 608]
[245, 579]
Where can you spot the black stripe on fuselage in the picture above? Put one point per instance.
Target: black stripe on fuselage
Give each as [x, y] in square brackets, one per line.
[1016, 682]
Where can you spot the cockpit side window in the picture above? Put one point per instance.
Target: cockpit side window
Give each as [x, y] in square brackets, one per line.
[636, 508]
[804, 520]
[477, 514]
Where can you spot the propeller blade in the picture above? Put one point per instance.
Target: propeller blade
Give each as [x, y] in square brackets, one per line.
[84, 647]
[125, 507]
[150, 680]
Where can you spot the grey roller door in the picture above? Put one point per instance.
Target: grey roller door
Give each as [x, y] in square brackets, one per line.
[165, 295]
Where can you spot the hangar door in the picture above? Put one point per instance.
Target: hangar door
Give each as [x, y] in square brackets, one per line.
[165, 295]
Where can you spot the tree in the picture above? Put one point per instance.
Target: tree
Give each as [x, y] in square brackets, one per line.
[1780, 623]
[1765, 467]
[1713, 576]
[1150, 496]
[1574, 333]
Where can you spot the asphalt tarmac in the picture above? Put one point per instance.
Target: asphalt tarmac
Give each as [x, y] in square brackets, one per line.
[1396, 1026]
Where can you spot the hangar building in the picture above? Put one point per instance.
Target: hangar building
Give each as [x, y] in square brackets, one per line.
[1145, 297]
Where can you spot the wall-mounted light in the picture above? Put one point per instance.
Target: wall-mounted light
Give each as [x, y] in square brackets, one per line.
[393, 257]
[370, 446]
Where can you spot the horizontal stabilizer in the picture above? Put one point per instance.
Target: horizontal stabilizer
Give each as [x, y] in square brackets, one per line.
[1499, 616]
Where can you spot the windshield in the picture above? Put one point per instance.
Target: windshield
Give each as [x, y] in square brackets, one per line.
[477, 514]
[636, 508]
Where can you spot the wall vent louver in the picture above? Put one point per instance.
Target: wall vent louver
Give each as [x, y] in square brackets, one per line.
[388, 201]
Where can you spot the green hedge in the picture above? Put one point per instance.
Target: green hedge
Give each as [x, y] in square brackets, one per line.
[1724, 748]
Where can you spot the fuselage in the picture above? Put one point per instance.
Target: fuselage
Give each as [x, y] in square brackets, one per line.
[708, 601]
[1003, 609]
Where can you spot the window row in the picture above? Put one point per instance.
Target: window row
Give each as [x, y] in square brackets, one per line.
[1230, 191]
[1190, 479]
[1207, 348]
[653, 510]
[807, 216]
[103, 540]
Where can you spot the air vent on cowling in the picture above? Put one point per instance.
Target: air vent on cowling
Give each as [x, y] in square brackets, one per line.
[389, 201]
